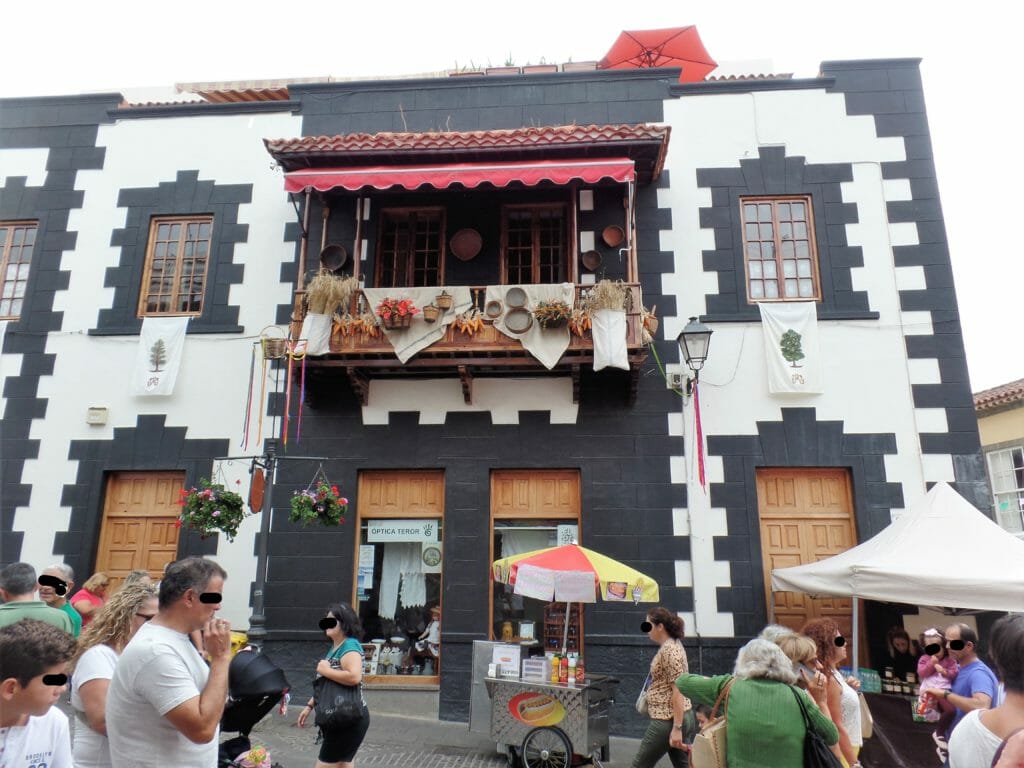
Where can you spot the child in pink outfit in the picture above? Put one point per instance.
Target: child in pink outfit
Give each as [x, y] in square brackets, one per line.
[936, 669]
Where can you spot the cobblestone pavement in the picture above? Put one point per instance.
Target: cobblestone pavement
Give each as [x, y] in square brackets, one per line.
[396, 741]
[392, 741]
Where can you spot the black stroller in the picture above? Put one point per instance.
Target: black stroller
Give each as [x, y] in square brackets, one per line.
[255, 686]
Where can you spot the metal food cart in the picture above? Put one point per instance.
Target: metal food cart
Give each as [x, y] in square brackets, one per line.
[540, 724]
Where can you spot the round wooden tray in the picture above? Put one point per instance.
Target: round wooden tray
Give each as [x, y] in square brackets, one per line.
[515, 297]
[466, 244]
[518, 320]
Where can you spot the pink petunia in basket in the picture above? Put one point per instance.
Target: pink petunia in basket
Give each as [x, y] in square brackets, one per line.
[257, 757]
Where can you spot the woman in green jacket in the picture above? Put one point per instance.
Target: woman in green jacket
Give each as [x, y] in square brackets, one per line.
[765, 724]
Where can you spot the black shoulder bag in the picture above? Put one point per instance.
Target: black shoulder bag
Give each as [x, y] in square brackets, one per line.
[816, 752]
[337, 705]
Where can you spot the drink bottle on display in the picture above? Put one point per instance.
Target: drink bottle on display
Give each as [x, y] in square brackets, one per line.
[580, 677]
[563, 669]
[571, 673]
[554, 668]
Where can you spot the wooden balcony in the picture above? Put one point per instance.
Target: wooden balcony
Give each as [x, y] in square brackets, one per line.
[487, 353]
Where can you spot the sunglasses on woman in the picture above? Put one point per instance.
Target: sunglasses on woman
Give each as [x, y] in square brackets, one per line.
[646, 626]
[328, 622]
[840, 641]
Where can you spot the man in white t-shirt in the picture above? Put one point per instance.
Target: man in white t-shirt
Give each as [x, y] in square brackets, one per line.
[34, 659]
[164, 704]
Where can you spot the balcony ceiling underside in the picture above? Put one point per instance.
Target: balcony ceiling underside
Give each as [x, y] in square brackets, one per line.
[467, 365]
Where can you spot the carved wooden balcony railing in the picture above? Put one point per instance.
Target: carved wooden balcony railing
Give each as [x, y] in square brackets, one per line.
[488, 353]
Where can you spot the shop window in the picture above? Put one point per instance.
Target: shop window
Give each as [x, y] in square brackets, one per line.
[411, 250]
[516, 617]
[779, 249]
[534, 244]
[532, 510]
[1006, 468]
[398, 571]
[177, 262]
[17, 240]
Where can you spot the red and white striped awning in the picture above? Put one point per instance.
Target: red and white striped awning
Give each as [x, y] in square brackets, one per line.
[469, 175]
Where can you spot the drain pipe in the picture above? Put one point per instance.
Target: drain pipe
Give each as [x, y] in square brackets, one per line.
[689, 523]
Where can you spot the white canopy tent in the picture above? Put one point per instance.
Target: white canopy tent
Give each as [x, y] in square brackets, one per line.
[941, 552]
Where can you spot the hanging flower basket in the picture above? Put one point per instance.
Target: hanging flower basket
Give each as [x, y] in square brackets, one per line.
[320, 503]
[396, 313]
[211, 509]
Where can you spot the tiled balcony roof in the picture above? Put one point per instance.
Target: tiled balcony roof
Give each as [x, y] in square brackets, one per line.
[646, 144]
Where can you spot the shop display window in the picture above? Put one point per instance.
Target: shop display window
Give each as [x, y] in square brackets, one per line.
[518, 618]
[398, 581]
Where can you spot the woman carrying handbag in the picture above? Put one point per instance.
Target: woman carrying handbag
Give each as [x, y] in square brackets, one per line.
[341, 670]
[763, 713]
[672, 722]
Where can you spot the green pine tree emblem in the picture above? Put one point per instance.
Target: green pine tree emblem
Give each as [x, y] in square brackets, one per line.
[157, 355]
[790, 347]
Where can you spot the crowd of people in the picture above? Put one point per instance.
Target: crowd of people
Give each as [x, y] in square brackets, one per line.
[786, 685]
[148, 667]
[144, 694]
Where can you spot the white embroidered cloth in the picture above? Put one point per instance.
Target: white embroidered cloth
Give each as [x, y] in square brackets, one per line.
[408, 341]
[547, 345]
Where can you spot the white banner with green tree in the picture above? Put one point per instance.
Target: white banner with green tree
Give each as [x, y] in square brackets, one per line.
[161, 344]
[791, 346]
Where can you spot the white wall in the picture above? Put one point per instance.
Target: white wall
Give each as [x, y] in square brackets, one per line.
[867, 375]
[89, 371]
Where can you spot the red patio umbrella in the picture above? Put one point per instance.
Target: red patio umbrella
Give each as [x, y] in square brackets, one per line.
[675, 47]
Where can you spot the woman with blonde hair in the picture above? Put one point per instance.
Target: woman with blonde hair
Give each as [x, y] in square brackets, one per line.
[91, 596]
[98, 649]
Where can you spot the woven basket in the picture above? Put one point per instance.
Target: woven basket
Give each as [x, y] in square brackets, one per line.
[274, 349]
[396, 322]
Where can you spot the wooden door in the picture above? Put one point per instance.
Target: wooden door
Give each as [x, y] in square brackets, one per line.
[138, 529]
[806, 515]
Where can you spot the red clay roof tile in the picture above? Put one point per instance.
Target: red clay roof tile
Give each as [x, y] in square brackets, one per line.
[997, 397]
[513, 137]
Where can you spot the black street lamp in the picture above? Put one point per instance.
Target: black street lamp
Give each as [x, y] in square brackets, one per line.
[694, 341]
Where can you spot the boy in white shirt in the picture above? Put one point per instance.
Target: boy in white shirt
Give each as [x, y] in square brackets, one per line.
[34, 659]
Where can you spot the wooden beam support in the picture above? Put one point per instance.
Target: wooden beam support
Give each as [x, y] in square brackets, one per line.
[467, 384]
[360, 384]
[575, 385]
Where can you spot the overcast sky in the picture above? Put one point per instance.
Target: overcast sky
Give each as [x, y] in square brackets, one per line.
[971, 65]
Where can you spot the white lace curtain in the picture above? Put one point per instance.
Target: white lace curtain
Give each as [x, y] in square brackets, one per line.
[402, 578]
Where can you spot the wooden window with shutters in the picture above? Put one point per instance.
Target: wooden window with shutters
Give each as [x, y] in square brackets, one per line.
[177, 266]
[534, 244]
[17, 241]
[411, 248]
[779, 252]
